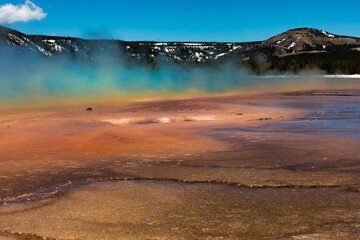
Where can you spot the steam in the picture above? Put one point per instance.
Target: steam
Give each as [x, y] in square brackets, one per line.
[28, 79]
[98, 33]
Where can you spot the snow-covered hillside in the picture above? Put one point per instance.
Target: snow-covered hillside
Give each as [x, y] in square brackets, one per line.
[292, 42]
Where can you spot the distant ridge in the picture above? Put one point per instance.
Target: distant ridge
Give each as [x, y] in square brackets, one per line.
[293, 50]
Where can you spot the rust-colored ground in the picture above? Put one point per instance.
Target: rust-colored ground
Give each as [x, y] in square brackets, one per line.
[264, 141]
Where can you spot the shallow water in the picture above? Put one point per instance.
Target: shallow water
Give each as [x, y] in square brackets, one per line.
[169, 210]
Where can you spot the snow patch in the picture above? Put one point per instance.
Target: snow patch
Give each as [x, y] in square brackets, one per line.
[292, 45]
[199, 57]
[220, 55]
[17, 39]
[193, 44]
[328, 34]
[178, 58]
[76, 49]
[160, 44]
[231, 50]
[280, 41]
[42, 50]
[53, 45]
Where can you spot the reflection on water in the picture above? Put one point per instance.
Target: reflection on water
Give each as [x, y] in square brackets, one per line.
[323, 115]
[168, 210]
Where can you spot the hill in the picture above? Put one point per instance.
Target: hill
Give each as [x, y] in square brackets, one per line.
[294, 50]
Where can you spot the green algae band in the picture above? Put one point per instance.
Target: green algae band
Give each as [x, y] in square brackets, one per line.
[169, 210]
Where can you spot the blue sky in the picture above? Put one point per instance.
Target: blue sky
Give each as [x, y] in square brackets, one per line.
[186, 20]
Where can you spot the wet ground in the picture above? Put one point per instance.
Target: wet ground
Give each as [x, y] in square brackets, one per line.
[274, 166]
[168, 210]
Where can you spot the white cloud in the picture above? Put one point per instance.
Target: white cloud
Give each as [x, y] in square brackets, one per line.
[10, 13]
